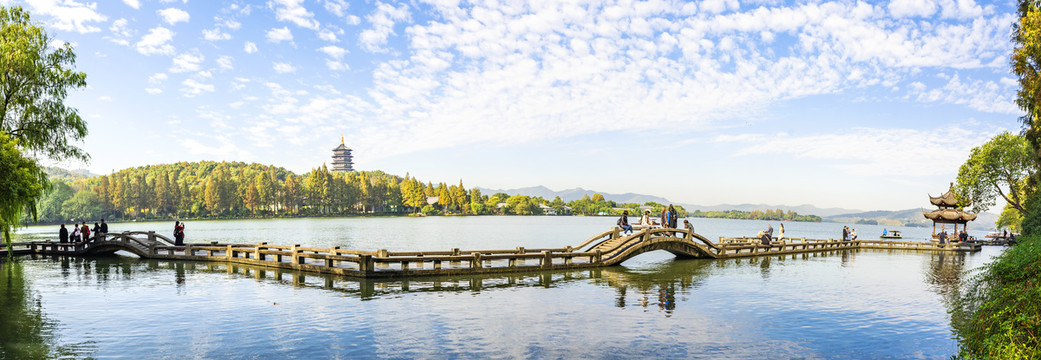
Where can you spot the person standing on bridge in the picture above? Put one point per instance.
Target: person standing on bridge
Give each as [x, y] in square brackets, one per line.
[781, 234]
[63, 234]
[179, 234]
[673, 217]
[97, 231]
[623, 222]
[645, 221]
[85, 232]
[75, 235]
[104, 228]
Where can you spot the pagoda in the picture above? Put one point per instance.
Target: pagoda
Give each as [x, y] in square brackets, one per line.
[947, 212]
[342, 160]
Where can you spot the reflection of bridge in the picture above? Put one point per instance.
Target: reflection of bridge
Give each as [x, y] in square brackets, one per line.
[605, 249]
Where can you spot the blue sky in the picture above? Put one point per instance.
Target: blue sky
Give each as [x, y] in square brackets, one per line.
[863, 105]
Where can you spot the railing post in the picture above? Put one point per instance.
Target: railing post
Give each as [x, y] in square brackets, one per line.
[455, 252]
[332, 252]
[476, 262]
[188, 250]
[567, 258]
[151, 249]
[615, 232]
[257, 254]
[365, 264]
[598, 256]
[547, 259]
[297, 259]
[229, 252]
[151, 237]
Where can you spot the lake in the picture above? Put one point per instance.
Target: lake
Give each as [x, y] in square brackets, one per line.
[852, 304]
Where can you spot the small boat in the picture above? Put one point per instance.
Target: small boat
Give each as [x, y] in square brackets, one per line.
[892, 234]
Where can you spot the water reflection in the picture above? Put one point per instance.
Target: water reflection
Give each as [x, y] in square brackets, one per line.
[26, 332]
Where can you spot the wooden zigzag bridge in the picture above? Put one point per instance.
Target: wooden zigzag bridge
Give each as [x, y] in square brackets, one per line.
[605, 249]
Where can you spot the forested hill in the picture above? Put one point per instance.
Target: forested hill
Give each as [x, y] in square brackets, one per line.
[235, 189]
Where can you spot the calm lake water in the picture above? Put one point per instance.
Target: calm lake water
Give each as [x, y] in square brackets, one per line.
[856, 305]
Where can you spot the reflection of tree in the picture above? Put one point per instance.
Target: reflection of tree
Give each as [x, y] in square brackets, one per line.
[945, 274]
[26, 331]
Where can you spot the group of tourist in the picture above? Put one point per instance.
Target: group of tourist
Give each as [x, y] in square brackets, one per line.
[669, 218]
[765, 236]
[848, 233]
[82, 232]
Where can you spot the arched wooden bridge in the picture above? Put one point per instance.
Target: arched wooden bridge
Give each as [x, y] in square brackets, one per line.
[605, 249]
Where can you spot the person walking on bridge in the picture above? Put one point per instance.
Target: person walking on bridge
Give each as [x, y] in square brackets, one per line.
[623, 222]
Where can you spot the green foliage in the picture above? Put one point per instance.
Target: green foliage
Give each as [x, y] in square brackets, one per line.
[1032, 218]
[33, 86]
[1010, 218]
[49, 209]
[430, 210]
[84, 206]
[997, 316]
[775, 215]
[1026, 64]
[1002, 163]
[22, 183]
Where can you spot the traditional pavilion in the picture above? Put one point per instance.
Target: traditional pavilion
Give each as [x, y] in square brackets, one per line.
[947, 212]
[342, 160]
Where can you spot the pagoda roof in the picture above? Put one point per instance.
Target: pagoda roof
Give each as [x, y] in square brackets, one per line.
[949, 216]
[949, 199]
[341, 147]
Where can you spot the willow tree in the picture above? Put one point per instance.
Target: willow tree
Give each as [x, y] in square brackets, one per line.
[34, 120]
[21, 183]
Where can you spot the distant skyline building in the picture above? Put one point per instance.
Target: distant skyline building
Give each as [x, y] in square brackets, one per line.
[342, 159]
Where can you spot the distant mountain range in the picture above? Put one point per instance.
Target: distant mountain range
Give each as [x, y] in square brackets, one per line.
[909, 217]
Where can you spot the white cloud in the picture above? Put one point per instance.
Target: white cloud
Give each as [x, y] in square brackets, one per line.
[292, 11]
[193, 88]
[173, 15]
[336, 65]
[156, 42]
[136, 4]
[871, 151]
[157, 78]
[225, 62]
[121, 33]
[277, 35]
[907, 8]
[187, 62]
[250, 47]
[283, 68]
[215, 35]
[104, 98]
[985, 96]
[327, 35]
[225, 149]
[336, 7]
[69, 15]
[154, 91]
[334, 51]
[383, 20]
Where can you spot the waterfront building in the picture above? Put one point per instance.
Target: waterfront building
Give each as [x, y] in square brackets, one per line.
[947, 212]
[342, 159]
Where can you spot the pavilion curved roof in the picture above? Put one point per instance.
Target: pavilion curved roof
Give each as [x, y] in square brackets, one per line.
[948, 199]
[949, 215]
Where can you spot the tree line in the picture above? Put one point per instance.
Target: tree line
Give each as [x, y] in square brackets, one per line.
[774, 214]
[208, 189]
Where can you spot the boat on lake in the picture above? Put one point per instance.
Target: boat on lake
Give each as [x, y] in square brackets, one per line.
[891, 234]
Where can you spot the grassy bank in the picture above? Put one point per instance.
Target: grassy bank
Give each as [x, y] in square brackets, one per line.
[999, 316]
